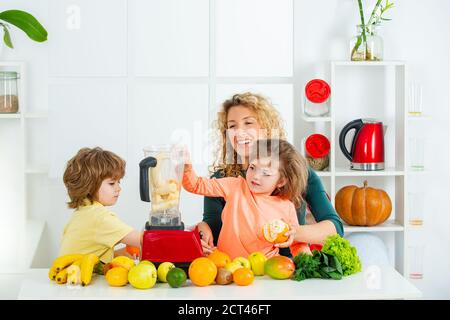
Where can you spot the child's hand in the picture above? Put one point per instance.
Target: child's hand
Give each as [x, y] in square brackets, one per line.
[181, 155]
[291, 235]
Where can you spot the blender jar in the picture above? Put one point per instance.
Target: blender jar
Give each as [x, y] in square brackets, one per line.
[164, 185]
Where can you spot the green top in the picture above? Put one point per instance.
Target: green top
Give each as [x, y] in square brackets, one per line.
[316, 198]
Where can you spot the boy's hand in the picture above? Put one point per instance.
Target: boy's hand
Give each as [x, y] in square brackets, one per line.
[291, 235]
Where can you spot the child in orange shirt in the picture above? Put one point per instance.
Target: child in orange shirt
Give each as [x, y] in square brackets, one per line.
[276, 178]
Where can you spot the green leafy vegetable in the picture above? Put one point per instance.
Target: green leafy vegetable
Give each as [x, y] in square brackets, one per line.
[319, 265]
[341, 249]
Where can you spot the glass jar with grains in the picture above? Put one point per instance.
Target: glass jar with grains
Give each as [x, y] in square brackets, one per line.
[317, 151]
[9, 102]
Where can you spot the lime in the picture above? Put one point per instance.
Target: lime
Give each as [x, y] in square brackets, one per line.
[176, 277]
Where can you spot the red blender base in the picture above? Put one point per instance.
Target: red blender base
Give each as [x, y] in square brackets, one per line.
[177, 246]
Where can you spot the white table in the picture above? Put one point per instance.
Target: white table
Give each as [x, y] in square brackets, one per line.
[372, 283]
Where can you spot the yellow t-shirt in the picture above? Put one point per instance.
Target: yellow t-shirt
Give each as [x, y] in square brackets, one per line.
[93, 229]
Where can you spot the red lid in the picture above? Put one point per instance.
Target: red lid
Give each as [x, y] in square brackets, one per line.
[317, 145]
[317, 91]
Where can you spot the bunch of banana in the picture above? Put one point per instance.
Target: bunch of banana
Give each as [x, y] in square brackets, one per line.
[87, 268]
[73, 268]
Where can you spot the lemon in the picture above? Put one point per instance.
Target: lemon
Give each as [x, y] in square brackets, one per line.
[176, 277]
[117, 277]
[163, 269]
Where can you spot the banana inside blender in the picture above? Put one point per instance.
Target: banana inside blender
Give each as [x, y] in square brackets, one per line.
[164, 192]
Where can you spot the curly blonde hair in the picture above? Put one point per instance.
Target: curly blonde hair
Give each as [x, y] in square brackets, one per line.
[86, 171]
[267, 116]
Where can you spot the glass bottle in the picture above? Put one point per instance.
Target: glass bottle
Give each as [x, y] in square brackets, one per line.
[367, 45]
[9, 102]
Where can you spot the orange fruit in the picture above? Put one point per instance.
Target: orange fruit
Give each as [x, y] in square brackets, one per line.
[117, 277]
[274, 231]
[243, 276]
[219, 258]
[202, 271]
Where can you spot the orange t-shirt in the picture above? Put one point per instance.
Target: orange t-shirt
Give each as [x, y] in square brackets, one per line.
[244, 213]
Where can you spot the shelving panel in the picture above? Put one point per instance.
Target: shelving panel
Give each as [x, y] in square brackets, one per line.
[390, 79]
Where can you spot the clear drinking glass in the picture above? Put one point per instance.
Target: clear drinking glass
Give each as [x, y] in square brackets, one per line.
[416, 208]
[415, 99]
[416, 254]
[417, 153]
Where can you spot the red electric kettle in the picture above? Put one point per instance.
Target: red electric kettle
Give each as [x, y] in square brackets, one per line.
[367, 151]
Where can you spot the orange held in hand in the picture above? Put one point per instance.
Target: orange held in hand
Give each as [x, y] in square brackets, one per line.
[202, 272]
[274, 231]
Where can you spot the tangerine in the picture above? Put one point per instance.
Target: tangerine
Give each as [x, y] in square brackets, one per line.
[243, 276]
[202, 271]
[219, 258]
[274, 231]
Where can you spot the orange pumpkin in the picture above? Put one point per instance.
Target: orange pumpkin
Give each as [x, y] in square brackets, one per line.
[364, 206]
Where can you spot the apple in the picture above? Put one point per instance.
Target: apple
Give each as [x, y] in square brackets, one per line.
[243, 262]
[315, 246]
[233, 266]
[257, 261]
[299, 247]
[142, 276]
[163, 269]
[107, 267]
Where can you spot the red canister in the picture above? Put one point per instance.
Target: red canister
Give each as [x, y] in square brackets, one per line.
[317, 148]
[317, 91]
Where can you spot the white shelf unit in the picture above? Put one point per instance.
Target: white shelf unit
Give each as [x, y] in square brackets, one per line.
[13, 158]
[349, 82]
[29, 228]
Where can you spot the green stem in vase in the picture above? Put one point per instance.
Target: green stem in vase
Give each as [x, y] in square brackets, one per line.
[362, 37]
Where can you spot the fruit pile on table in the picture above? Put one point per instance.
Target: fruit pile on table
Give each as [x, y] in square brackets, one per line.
[335, 259]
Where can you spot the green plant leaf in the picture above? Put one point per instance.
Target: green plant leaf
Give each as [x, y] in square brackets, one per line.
[7, 37]
[335, 276]
[26, 22]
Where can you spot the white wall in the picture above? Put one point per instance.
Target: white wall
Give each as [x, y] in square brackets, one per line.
[128, 73]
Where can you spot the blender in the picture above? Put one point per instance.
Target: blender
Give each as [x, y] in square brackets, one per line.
[165, 238]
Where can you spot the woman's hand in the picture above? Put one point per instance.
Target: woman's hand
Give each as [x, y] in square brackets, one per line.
[206, 238]
[291, 237]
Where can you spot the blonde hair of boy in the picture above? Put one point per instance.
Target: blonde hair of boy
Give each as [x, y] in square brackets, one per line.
[85, 172]
[267, 116]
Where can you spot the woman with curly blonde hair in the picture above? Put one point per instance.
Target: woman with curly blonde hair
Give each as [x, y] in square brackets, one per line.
[242, 120]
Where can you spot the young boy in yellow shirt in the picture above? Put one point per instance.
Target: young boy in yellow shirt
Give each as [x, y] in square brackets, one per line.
[92, 178]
